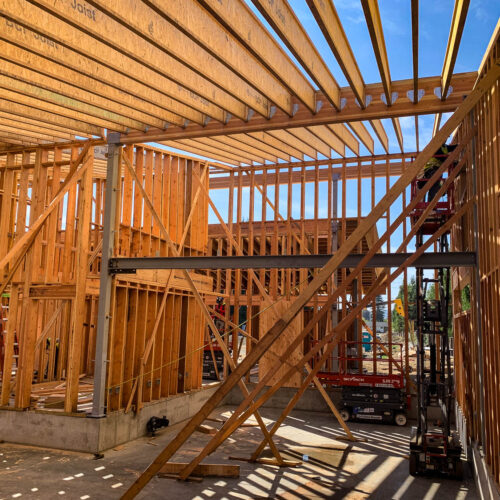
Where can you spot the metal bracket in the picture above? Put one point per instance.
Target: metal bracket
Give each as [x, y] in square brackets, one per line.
[113, 138]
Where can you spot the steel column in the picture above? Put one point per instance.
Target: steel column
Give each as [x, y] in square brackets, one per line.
[106, 279]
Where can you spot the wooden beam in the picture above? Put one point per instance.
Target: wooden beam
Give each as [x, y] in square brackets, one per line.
[380, 132]
[27, 111]
[204, 470]
[346, 136]
[374, 23]
[153, 62]
[414, 43]
[328, 20]
[274, 333]
[351, 113]
[329, 138]
[107, 98]
[184, 31]
[277, 143]
[283, 20]
[293, 141]
[398, 132]
[456, 30]
[28, 49]
[244, 25]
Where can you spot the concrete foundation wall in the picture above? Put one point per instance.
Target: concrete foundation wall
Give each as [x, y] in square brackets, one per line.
[94, 435]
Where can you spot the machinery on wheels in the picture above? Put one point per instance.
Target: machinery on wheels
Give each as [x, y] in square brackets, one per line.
[372, 395]
[434, 447]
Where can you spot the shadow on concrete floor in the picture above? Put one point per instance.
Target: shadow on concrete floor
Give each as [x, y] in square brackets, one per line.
[331, 468]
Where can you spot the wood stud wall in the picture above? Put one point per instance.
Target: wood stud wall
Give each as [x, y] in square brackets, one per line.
[477, 364]
[282, 226]
[52, 298]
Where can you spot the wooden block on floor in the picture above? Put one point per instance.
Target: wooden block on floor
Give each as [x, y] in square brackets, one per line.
[203, 470]
[205, 429]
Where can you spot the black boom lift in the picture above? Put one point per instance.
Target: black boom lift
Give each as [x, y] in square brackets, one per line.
[434, 447]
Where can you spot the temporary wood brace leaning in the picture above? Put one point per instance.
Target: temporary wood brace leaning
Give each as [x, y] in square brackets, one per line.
[274, 333]
[331, 340]
[200, 301]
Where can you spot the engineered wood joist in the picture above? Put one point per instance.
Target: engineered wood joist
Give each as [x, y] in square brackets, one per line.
[381, 134]
[294, 141]
[166, 54]
[281, 17]
[23, 124]
[28, 111]
[275, 142]
[104, 97]
[27, 48]
[414, 44]
[232, 68]
[189, 86]
[456, 29]
[328, 20]
[49, 102]
[202, 150]
[242, 23]
[260, 145]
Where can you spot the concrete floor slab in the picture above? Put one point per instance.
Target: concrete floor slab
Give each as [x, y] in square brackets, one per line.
[331, 468]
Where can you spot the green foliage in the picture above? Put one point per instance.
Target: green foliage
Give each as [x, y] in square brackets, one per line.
[380, 308]
[465, 298]
[398, 322]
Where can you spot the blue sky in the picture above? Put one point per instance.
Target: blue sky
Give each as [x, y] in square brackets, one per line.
[434, 25]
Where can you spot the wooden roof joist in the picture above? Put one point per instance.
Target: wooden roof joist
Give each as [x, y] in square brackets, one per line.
[243, 147]
[275, 142]
[28, 123]
[72, 67]
[29, 111]
[456, 30]
[281, 17]
[374, 23]
[47, 88]
[242, 23]
[165, 73]
[257, 89]
[202, 150]
[34, 132]
[261, 146]
[219, 144]
[294, 141]
[351, 113]
[102, 96]
[211, 73]
[328, 20]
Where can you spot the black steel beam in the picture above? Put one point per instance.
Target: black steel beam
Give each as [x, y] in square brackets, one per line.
[427, 260]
